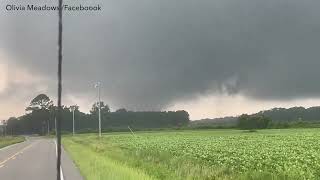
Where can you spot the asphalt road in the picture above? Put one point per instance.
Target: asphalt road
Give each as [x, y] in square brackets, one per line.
[35, 159]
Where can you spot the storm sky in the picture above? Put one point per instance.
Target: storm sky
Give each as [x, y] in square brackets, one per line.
[212, 58]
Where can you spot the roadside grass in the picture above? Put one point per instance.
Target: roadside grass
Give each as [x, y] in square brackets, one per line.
[109, 157]
[99, 159]
[6, 141]
[96, 165]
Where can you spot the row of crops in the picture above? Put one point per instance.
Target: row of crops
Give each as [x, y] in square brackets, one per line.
[279, 151]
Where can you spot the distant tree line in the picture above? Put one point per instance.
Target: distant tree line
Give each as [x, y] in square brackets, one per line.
[294, 117]
[40, 118]
[292, 114]
[253, 122]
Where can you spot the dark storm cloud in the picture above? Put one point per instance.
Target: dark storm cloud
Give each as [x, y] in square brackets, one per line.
[150, 53]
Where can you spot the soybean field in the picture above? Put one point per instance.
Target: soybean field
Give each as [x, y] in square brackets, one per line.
[202, 154]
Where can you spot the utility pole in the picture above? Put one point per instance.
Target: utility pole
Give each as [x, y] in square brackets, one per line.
[48, 127]
[4, 123]
[59, 112]
[55, 125]
[73, 121]
[98, 85]
[73, 109]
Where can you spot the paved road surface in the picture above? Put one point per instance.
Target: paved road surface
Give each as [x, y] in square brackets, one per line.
[34, 159]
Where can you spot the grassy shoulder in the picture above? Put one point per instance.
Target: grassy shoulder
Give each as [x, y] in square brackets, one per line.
[6, 141]
[101, 159]
[95, 163]
[112, 157]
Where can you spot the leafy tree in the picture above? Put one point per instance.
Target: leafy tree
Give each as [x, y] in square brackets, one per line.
[253, 122]
[41, 101]
[41, 109]
[75, 107]
[95, 108]
[13, 125]
[121, 110]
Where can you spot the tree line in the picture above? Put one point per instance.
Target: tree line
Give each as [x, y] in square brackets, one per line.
[40, 118]
[311, 114]
[253, 122]
[294, 117]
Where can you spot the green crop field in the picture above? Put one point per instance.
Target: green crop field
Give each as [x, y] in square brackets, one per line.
[6, 141]
[211, 154]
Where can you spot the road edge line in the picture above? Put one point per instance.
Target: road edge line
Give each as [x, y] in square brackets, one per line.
[61, 173]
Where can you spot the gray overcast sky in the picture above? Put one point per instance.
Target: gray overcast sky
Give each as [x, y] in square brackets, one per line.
[212, 58]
